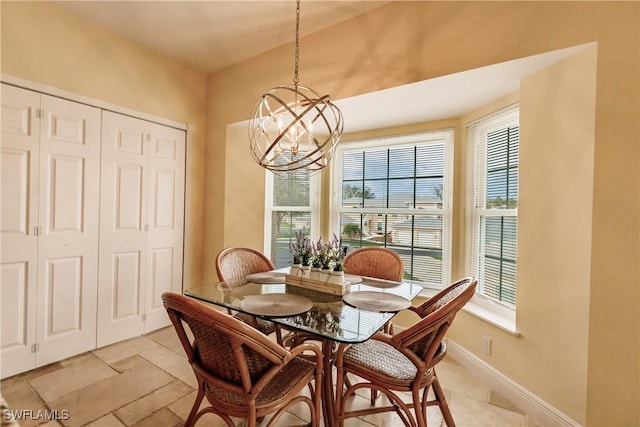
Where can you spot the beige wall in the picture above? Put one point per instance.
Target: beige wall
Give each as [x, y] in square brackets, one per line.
[578, 302]
[579, 348]
[44, 44]
[557, 132]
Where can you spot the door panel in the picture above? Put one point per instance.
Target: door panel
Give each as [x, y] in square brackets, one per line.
[123, 239]
[19, 150]
[65, 194]
[64, 297]
[164, 194]
[17, 317]
[162, 264]
[126, 285]
[166, 204]
[142, 199]
[128, 198]
[15, 190]
[69, 211]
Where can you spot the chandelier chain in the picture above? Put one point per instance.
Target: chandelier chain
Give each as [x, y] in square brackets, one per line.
[297, 57]
[294, 127]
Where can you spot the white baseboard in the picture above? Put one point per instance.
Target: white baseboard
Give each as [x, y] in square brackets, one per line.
[539, 411]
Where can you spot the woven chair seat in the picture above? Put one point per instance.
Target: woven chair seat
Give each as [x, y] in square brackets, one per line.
[298, 371]
[383, 359]
[403, 362]
[386, 361]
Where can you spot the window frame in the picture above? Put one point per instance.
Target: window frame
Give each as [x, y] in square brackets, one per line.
[446, 136]
[313, 208]
[499, 313]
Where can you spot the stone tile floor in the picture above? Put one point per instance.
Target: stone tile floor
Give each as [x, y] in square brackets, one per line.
[146, 381]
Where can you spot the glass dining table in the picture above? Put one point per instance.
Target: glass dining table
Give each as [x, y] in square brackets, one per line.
[328, 318]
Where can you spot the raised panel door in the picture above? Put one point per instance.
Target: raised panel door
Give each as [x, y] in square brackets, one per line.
[68, 218]
[141, 225]
[19, 152]
[123, 224]
[166, 220]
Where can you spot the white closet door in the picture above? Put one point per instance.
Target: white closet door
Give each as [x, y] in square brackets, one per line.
[50, 208]
[166, 218]
[68, 218]
[123, 237]
[19, 219]
[141, 225]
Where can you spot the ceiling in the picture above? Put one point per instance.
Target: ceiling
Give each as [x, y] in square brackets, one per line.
[210, 35]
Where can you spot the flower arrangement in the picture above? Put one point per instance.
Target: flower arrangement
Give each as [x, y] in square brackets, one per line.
[320, 260]
[301, 249]
[317, 258]
[326, 255]
[336, 254]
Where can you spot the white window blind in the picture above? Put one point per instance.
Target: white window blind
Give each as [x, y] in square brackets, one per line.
[291, 204]
[395, 192]
[493, 220]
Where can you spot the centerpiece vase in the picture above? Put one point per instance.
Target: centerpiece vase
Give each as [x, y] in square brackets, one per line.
[305, 271]
[337, 277]
[295, 269]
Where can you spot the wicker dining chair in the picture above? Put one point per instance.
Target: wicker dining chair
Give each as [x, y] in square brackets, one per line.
[233, 265]
[377, 262]
[374, 261]
[404, 362]
[240, 371]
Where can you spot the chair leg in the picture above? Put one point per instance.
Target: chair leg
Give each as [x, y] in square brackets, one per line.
[279, 335]
[191, 419]
[442, 402]
[374, 396]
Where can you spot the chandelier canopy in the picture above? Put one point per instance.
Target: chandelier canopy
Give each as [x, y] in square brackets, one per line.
[294, 127]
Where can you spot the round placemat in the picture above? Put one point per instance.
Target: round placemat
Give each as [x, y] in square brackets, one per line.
[266, 277]
[376, 301]
[276, 305]
[380, 283]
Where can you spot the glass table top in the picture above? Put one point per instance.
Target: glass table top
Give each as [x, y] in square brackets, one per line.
[329, 316]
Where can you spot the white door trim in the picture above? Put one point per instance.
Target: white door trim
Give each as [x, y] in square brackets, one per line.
[48, 90]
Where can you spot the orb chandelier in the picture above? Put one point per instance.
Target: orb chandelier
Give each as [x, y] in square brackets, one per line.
[294, 127]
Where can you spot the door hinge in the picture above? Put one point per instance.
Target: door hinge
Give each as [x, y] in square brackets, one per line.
[37, 231]
[148, 136]
[35, 348]
[144, 317]
[39, 113]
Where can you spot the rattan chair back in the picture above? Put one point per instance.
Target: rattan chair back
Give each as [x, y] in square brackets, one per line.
[240, 371]
[405, 362]
[233, 265]
[236, 263]
[374, 261]
[378, 262]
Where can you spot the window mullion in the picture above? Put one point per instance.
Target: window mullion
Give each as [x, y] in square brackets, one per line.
[415, 176]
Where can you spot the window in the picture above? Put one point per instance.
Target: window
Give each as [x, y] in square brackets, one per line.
[493, 227]
[291, 205]
[395, 192]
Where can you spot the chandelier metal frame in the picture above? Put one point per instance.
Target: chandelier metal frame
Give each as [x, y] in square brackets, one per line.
[293, 126]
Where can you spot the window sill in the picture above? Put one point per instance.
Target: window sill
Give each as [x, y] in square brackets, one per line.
[487, 310]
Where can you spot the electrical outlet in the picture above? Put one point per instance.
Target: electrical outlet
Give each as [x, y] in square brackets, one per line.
[486, 344]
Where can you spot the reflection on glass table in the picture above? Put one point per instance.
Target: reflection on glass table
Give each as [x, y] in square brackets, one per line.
[328, 318]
